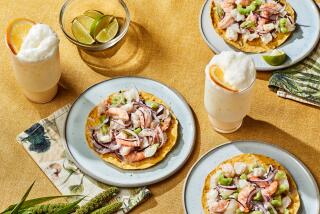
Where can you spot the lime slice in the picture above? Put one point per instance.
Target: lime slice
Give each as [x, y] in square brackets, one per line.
[95, 14]
[85, 21]
[80, 33]
[108, 32]
[276, 57]
[100, 24]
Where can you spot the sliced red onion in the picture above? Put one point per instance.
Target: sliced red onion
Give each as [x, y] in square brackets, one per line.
[233, 187]
[260, 207]
[131, 133]
[104, 150]
[266, 198]
[269, 205]
[96, 142]
[160, 109]
[250, 196]
[161, 136]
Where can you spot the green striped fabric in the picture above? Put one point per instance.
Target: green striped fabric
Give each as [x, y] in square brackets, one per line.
[300, 82]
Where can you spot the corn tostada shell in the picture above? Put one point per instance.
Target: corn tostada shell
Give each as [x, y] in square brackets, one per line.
[255, 46]
[172, 135]
[264, 161]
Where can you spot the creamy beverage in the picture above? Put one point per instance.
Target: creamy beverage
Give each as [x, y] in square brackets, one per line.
[35, 59]
[229, 79]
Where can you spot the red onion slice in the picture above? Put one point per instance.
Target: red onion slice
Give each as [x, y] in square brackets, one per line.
[233, 187]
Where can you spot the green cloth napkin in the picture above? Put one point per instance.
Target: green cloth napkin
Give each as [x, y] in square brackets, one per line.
[300, 82]
[45, 144]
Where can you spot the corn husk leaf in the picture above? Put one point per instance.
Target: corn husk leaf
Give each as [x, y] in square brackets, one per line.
[24, 197]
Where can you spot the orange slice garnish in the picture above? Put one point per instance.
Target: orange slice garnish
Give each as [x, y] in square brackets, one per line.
[216, 75]
[17, 30]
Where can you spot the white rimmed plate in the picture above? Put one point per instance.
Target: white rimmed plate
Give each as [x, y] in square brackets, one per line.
[91, 164]
[297, 47]
[307, 186]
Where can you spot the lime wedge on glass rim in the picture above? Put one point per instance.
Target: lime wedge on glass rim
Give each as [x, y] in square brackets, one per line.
[81, 33]
[275, 57]
[95, 14]
[109, 32]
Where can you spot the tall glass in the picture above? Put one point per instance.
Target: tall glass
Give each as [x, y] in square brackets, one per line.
[226, 109]
[38, 79]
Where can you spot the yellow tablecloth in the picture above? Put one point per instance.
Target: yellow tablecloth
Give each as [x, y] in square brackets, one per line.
[164, 43]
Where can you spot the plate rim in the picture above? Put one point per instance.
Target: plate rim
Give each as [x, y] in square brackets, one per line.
[248, 141]
[139, 184]
[269, 68]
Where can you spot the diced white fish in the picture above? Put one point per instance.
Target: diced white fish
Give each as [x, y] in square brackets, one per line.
[227, 170]
[131, 95]
[268, 27]
[135, 119]
[116, 124]
[266, 38]
[125, 150]
[151, 150]
[232, 207]
[212, 196]
[127, 107]
[232, 32]
[104, 138]
[240, 167]
[243, 183]
[237, 16]
[286, 201]
[146, 133]
[226, 192]
[258, 172]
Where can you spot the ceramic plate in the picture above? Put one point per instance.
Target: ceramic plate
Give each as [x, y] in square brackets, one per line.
[297, 47]
[91, 164]
[307, 187]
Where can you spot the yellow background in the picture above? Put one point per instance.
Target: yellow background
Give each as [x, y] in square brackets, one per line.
[163, 43]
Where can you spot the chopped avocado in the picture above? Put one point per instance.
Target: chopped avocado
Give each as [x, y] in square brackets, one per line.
[238, 211]
[276, 201]
[118, 99]
[104, 129]
[152, 104]
[224, 181]
[247, 24]
[284, 30]
[270, 211]
[102, 118]
[137, 130]
[234, 195]
[256, 212]
[251, 167]
[282, 189]
[283, 22]
[280, 175]
[286, 211]
[246, 11]
[257, 2]
[243, 176]
[258, 196]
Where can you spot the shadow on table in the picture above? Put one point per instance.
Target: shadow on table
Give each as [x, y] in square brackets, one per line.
[64, 96]
[174, 180]
[263, 131]
[127, 57]
[264, 75]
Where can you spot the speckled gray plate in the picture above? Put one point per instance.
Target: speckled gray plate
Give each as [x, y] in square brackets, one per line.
[297, 47]
[91, 164]
[307, 186]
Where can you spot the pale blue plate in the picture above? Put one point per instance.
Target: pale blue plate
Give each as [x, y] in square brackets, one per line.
[92, 165]
[297, 47]
[307, 186]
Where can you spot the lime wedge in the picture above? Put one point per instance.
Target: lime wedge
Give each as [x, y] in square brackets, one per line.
[80, 33]
[95, 14]
[275, 57]
[85, 21]
[108, 32]
[100, 24]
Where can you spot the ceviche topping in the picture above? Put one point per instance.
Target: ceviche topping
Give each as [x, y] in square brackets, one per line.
[243, 188]
[253, 19]
[131, 127]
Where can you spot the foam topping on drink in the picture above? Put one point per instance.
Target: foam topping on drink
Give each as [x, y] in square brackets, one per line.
[40, 43]
[233, 70]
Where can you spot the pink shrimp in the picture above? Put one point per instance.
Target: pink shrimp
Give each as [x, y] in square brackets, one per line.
[135, 156]
[127, 143]
[271, 189]
[166, 123]
[258, 181]
[219, 207]
[141, 118]
[243, 197]
[228, 5]
[226, 22]
[118, 113]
